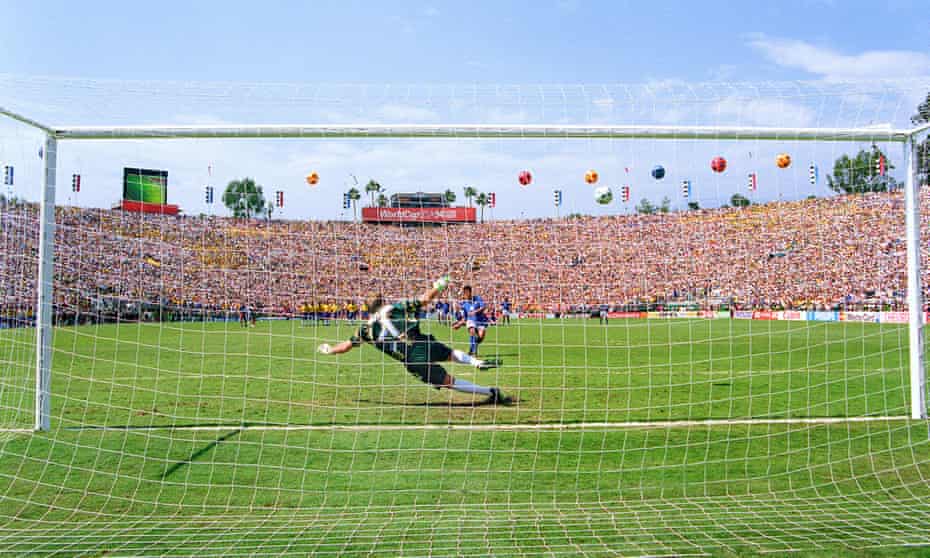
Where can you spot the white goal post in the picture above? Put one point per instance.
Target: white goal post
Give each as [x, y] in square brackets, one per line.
[909, 139]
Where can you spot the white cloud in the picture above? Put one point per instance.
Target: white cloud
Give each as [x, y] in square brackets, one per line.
[835, 66]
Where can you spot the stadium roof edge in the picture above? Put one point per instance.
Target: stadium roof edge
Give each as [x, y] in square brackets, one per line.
[471, 131]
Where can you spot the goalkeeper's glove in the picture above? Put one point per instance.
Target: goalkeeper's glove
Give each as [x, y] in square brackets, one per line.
[324, 349]
[441, 283]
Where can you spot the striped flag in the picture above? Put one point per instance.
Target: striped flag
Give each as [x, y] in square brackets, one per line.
[686, 189]
[625, 193]
[753, 182]
[812, 175]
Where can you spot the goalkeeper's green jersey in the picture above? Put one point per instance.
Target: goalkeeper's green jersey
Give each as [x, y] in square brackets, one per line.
[389, 325]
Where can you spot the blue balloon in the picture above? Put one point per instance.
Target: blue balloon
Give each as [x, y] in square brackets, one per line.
[658, 172]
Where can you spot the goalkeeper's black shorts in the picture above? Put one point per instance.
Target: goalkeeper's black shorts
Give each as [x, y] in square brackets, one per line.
[421, 358]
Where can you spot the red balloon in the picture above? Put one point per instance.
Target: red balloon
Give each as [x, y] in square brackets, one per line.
[718, 164]
[525, 178]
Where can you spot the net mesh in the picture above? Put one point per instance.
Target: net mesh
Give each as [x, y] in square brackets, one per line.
[725, 376]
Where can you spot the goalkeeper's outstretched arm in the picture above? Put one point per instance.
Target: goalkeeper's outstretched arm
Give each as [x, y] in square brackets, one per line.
[336, 349]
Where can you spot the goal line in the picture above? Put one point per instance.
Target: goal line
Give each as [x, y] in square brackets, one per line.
[531, 427]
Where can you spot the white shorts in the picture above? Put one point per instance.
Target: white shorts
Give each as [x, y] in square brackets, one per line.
[476, 324]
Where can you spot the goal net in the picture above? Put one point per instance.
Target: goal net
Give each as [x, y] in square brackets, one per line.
[694, 311]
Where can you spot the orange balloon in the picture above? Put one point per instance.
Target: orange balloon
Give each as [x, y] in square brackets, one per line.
[590, 177]
[313, 178]
[783, 160]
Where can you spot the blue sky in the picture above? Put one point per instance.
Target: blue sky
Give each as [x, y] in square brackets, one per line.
[490, 43]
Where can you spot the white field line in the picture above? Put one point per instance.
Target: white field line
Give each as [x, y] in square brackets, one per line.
[532, 427]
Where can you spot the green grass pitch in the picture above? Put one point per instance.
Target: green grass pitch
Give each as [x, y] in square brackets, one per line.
[209, 439]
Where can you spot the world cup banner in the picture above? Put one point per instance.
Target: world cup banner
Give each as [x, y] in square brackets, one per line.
[627, 315]
[418, 214]
[859, 317]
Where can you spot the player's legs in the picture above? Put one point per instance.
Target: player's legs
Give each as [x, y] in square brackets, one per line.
[472, 336]
[422, 358]
[430, 349]
[437, 376]
[476, 337]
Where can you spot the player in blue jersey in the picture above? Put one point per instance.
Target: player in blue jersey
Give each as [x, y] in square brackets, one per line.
[474, 318]
[505, 311]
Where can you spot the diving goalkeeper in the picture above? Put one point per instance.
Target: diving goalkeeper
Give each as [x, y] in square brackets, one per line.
[394, 330]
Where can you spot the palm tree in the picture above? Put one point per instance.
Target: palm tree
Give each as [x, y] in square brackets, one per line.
[470, 192]
[382, 200]
[354, 195]
[482, 200]
[244, 198]
[371, 189]
[449, 196]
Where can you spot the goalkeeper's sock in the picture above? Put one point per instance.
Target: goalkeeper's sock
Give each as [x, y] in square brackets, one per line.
[460, 357]
[468, 387]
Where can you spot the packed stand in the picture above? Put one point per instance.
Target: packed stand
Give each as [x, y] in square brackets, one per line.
[844, 251]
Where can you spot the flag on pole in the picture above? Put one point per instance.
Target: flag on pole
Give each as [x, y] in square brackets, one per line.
[492, 200]
[279, 195]
[557, 197]
[686, 189]
[753, 182]
[625, 194]
[812, 174]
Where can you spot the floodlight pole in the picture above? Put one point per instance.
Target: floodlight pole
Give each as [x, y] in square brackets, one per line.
[44, 304]
[918, 376]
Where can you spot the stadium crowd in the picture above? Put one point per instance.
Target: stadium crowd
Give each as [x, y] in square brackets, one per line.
[843, 251]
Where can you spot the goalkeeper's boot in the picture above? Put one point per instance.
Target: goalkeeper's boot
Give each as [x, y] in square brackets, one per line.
[498, 398]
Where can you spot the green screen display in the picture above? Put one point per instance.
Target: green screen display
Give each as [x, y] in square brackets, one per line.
[145, 185]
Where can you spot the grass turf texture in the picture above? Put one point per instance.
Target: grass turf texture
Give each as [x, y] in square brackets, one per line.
[143, 487]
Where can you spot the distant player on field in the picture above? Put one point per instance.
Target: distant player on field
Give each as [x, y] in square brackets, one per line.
[505, 311]
[394, 330]
[246, 317]
[474, 318]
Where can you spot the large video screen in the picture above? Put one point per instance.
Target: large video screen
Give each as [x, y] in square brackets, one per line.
[145, 185]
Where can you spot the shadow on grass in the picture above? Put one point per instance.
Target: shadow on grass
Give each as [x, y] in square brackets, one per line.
[194, 456]
[180, 426]
[450, 403]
